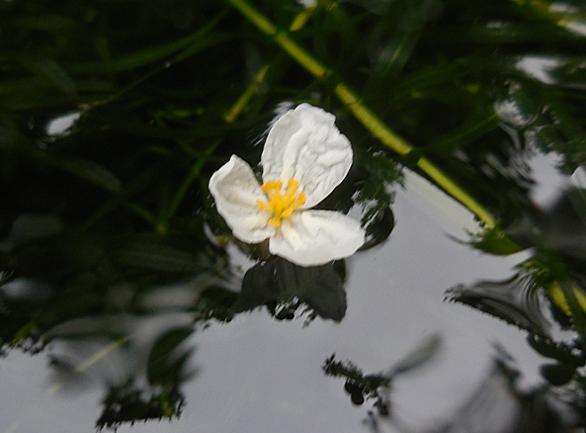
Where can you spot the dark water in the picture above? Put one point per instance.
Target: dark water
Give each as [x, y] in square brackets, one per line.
[126, 303]
[255, 374]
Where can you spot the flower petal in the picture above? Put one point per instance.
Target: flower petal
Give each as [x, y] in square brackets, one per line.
[305, 144]
[235, 190]
[315, 237]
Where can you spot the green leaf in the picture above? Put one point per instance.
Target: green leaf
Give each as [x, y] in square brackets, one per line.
[84, 169]
[157, 254]
[166, 361]
[185, 47]
[89, 171]
[54, 73]
[495, 241]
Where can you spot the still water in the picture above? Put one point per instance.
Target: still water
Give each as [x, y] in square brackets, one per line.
[128, 303]
[258, 374]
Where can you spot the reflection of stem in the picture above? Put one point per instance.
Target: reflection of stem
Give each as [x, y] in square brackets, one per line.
[378, 128]
[93, 359]
[368, 119]
[83, 366]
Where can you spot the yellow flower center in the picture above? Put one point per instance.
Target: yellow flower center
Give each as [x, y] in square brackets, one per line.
[281, 205]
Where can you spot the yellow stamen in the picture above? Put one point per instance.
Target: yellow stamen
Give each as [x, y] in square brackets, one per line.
[262, 205]
[281, 204]
[272, 186]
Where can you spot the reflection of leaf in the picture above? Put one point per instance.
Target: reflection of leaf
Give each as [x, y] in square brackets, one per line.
[563, 226]
[547, 121]
[514, 411]
[166, 362]
[128, 404]
[373, 195]
[279, 281]
[378, 223]
[215, 303]
[549, 349]
[377, 387]
[516, 301]
[422, 354]
[558, 236]
[558, 374]
[560, 227]
[360, 386]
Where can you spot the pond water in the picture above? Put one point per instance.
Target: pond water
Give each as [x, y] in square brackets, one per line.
[258, 374]
[134, 298]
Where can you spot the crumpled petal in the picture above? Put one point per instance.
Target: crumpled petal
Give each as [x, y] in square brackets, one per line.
[315, 237]
[306, 145]
[236, 190]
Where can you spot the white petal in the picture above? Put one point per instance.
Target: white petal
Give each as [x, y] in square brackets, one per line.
[315, 237]
[305, 144]
[235, 190]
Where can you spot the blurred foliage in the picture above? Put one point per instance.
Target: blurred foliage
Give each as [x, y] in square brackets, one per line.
[554, 272]
[166, 371]
[557, 236]
[520, 411]
[498, 404]
[113, 115]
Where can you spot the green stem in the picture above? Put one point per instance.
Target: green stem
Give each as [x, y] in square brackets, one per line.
[246, 96]
[576, 311]
[297, 24]
[93, 359]
[362, 113]
[178, 197]
[381, 131]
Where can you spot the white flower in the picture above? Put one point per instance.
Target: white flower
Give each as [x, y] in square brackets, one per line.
[305, 157]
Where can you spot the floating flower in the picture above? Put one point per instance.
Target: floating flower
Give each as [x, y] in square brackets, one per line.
[305, 157]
